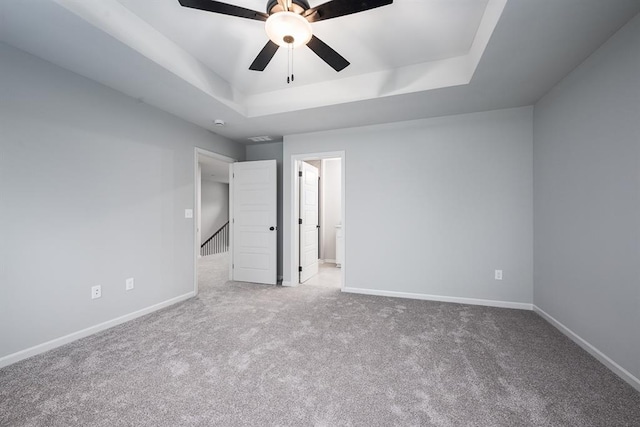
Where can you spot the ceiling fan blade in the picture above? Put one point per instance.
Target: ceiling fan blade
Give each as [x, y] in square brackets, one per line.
[328, 55]
[336, 8]
[225, 9]
[264, 57]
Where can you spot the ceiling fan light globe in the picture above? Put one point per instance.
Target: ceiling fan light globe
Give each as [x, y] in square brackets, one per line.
[287, 25]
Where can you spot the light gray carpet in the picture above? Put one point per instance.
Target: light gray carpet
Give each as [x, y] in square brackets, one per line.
[243, 354]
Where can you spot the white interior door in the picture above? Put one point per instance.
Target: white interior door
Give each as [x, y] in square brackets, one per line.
[253, 221]
[309, 223]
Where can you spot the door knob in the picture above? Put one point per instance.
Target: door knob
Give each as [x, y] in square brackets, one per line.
[272, 228]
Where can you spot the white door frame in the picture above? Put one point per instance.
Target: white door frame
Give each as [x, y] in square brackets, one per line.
[197, 154]
[295, 201]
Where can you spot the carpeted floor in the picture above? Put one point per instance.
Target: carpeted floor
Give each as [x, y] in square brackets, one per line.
[254, 355]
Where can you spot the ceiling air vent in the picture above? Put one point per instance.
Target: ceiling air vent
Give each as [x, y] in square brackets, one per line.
[260, 138]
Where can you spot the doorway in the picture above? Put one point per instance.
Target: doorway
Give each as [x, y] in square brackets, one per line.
[211, 219]
[317, 255]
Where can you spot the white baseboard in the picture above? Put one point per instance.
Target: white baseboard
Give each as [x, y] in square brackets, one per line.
[458, 300]
[289, 284]
[328, 261]
[600, 356]
[50, 345]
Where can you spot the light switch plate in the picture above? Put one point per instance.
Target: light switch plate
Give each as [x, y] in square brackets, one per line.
[188, 213]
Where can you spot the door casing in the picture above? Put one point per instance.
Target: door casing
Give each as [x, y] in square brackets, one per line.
[295, 201]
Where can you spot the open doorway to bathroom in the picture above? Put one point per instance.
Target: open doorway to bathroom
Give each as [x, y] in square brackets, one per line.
[319, 212]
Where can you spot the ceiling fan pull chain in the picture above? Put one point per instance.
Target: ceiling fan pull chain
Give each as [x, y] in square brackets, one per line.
[291, 63]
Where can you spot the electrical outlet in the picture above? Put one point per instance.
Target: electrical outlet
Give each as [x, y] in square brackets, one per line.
[96, 292]
[129, 284]
[498, 275]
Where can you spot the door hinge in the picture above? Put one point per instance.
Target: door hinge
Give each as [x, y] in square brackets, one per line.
[300, 173]
[233, 266]
[300, 269]
[300, 221]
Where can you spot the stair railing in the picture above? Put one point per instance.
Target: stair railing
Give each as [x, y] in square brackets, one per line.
[217, 243]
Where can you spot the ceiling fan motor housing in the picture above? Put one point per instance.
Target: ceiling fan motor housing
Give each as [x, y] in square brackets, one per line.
[297, 6]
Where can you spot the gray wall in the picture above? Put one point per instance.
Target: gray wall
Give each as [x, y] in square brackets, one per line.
[587, 200]
[93, 188]
[331, 206]
[271, 151]
[215, 207]
[434, 206]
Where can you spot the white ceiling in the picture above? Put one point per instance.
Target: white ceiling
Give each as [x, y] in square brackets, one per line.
[411, 59]
[371, 41]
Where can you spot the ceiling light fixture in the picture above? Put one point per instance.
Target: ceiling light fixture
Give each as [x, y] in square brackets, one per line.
[288, 29]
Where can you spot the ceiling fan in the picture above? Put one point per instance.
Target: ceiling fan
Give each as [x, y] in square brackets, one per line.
[288, 24]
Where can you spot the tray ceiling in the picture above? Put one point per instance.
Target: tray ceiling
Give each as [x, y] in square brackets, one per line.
[411, 59]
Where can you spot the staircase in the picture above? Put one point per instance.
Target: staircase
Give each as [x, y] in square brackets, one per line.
[217, 243]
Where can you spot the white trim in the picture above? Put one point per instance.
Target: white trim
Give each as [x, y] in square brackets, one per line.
[57, 342]
[216, 156]
[321, 216]
[288, 284]
[295, 215]
[294, 205]
[198, 208]
[231, 221]
[328, 261]
[589, 348]
[457, 300]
